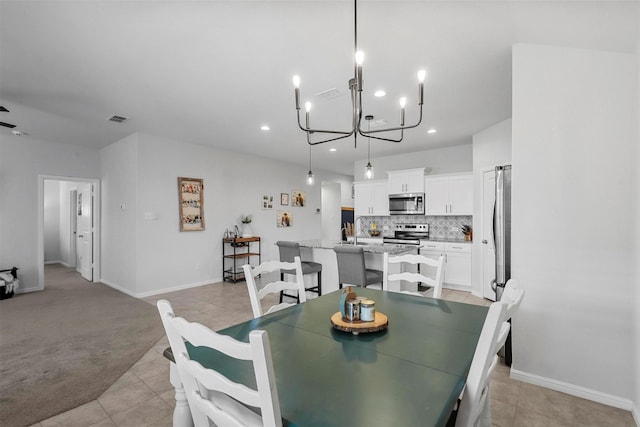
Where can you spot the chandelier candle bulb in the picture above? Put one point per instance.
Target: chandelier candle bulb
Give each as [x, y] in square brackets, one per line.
[296, 86]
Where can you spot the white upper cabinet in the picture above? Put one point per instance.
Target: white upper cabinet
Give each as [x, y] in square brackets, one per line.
[371, 198]
[406, 181]
[449, 195]
[461, 195]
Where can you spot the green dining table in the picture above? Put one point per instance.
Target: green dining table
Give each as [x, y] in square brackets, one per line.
[409, 374]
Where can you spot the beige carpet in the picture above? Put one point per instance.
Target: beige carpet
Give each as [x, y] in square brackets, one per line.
[64, 346]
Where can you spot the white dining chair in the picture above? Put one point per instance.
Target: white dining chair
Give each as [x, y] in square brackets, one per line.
[473, 409]
[435, 281]
[211, 395]
[256, 296]
[512, 296]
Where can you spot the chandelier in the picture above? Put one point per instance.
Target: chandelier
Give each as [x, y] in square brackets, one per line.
[355, 87]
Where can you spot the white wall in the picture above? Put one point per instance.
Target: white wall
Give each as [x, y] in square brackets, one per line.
[491, 147]
[51, 228]
[574, 182]
[436, 160]
[148, 256]
[21, 161]
[118, 163]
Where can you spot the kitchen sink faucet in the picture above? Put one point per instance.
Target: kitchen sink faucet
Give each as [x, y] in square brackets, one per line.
[357, 229]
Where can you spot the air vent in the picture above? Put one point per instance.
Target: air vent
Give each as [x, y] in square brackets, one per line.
[118, 119]
[7, 125]
[329, 93]
[3, 109]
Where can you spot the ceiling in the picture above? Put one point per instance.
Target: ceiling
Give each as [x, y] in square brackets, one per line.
[213, 72]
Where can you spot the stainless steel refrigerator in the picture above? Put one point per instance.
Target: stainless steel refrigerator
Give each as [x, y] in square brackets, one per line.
[502, 238]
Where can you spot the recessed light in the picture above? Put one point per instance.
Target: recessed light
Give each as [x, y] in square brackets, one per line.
[332, 149]
[380, 93]
[265, 127]
[432, 131]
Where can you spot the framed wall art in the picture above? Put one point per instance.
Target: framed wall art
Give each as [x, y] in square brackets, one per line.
[298, 199]
[191, 204]
[284, 199]
[284, 219]
[267, 202]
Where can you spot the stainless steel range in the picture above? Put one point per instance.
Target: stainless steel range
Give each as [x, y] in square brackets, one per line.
[408, 234]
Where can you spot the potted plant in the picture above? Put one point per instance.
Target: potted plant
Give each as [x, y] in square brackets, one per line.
[246, 228]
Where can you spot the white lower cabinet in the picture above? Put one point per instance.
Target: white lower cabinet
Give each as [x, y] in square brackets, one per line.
[457, 262]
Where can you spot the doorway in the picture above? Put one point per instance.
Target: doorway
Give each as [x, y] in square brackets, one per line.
[69, 225]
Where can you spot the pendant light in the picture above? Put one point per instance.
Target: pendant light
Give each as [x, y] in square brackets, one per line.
[368, 171]
[310, 178]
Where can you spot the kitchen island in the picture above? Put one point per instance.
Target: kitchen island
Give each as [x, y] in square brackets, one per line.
[322, 251]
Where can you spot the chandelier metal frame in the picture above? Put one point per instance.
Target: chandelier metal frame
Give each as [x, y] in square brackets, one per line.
[355, 87]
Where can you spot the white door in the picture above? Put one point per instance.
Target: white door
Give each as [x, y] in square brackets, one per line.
[331, 213]
[84, 246]
[73, 228]
[488, 244]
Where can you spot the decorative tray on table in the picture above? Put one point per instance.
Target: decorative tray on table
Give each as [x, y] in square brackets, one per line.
[379, 323]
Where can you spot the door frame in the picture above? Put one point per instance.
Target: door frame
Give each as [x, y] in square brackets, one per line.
[96, 223]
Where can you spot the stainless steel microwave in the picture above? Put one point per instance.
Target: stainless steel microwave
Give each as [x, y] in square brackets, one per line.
[406, 204]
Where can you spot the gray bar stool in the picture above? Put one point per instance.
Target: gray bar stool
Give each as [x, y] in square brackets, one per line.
[288, 252]
[351, 268]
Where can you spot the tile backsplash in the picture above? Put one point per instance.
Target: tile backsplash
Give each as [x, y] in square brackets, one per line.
[440, 227]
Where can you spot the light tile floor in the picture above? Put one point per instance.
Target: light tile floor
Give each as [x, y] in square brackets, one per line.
[143, 396]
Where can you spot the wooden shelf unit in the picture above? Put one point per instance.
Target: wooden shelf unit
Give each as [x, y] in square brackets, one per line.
[233, 250]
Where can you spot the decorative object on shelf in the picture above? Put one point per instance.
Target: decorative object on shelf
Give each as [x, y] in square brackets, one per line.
[284, 199]
[191, 204]
[355, 87]
[246, 228]
[310, 178]
[347, 295]
[368, 170]
[267, 202]
[283, 219]
[468, 232]
[298, 199]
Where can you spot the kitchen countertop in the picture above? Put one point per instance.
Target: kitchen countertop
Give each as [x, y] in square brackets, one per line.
[433, 239]
[377, 248]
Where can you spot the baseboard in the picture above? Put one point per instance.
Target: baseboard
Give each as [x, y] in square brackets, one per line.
[55, 261]
[160, 291]
[456, 287]
[574, 390]
[179, 288]
[477, 294]
[119, 288]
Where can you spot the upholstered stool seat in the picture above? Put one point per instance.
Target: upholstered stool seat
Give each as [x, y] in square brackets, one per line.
[351, 267]
[290, 250]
